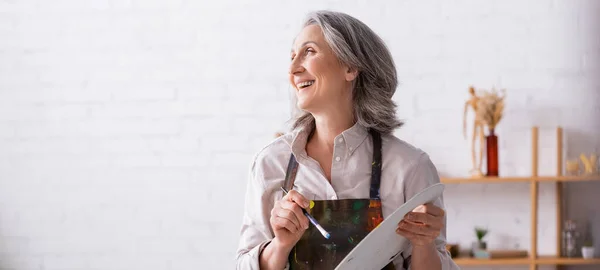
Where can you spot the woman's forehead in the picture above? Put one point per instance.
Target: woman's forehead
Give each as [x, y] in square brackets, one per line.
[311, 33]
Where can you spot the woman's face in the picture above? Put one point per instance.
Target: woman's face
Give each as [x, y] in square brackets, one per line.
[319, 78]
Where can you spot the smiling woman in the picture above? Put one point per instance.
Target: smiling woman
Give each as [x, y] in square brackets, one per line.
[340, 163]
[330, 51]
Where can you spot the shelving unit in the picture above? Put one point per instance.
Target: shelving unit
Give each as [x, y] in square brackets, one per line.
[526, 261]
[538, 179]
[533, 260]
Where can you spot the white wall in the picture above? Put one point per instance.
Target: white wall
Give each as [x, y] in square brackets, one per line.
[127, 127]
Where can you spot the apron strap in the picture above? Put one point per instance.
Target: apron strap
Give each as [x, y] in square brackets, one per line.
[376, 165]
[292, 169]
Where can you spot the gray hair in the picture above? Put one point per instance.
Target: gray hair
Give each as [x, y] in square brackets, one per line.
[357, 46]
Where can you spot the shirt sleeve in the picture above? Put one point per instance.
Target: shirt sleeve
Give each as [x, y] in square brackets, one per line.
[424, 175]
[255, 233]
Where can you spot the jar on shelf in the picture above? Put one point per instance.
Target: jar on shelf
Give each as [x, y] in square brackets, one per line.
[569, 239]
[572, 167]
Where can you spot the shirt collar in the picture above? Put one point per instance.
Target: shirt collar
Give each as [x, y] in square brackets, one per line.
[354, 136]
[299, 140]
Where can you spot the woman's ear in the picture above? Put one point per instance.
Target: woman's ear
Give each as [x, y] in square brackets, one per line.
[351, 74]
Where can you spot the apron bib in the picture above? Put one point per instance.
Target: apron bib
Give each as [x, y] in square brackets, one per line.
[347, 220]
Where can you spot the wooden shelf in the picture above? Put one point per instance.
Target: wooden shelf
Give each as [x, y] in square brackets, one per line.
[568, 178]
[529, 179]
[484, 180]
[550, 260]
[476, 262]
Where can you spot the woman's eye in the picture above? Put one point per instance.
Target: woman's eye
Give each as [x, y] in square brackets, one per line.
[307, 51]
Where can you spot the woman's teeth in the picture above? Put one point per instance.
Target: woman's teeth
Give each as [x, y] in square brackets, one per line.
[305, 84]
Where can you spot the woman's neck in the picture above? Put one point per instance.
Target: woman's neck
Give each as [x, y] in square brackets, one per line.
[327, 127]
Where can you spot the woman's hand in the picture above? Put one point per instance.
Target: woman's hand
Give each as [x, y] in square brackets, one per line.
[287, 220]
[288, 223]
[423, 225]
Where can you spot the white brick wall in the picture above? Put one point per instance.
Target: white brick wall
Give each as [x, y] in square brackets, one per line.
[127, 127]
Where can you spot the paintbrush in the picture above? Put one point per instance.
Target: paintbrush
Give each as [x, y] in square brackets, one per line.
[312, 220]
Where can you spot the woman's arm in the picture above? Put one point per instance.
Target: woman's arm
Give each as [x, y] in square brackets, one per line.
[425, 257]
[422, 226]
[269, 229]
[255, 233]
[274, 256]
[425, 226]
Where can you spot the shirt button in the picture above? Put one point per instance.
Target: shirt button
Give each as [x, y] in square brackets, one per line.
[340, 139]
[337, 158]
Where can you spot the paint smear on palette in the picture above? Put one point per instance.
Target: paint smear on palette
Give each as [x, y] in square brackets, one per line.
[327, 214]
[312, 204]
[357, 205]
[356, 218]
[331, 246]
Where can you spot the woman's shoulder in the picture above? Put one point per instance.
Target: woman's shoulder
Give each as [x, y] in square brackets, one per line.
[409, 164]
[274, 155]
[401, 152]
[276, 146]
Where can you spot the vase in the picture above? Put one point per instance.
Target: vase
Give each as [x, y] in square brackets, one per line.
[587, 252]
[477, 245]
[491, 142]
[482, 245]
[453, 249]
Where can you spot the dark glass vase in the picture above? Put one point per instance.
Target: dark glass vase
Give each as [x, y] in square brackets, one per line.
[491, 141]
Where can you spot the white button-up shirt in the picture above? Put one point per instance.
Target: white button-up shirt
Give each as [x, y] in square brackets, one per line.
[406, 170]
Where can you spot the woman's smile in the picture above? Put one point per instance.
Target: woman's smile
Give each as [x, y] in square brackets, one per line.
[305, 84]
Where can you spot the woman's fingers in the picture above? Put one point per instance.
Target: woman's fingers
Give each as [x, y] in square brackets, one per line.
[422, 225]
[287, 212]
[419, 217]
[294, 208]
[415, 239]
[281, 212]
[296, 197]
[418, 229]
[431, 209]
[424, 218]
[280, 222]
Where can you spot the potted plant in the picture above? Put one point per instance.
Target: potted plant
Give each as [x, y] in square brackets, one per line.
[479, 248]
[587, 250]
[481, 233]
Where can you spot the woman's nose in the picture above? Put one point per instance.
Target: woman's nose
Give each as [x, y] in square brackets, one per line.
[295, 67]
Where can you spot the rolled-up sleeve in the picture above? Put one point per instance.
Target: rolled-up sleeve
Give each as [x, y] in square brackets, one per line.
[255, 231]
[424, 175]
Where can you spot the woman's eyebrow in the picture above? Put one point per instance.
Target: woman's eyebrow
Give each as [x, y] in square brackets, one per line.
[304, 44]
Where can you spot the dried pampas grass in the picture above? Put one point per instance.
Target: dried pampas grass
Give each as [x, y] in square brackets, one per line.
[490, 107]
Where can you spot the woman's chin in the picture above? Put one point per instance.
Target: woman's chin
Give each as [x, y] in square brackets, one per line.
[304, 105]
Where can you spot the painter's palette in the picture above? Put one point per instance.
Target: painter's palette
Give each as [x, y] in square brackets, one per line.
[383, 244]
